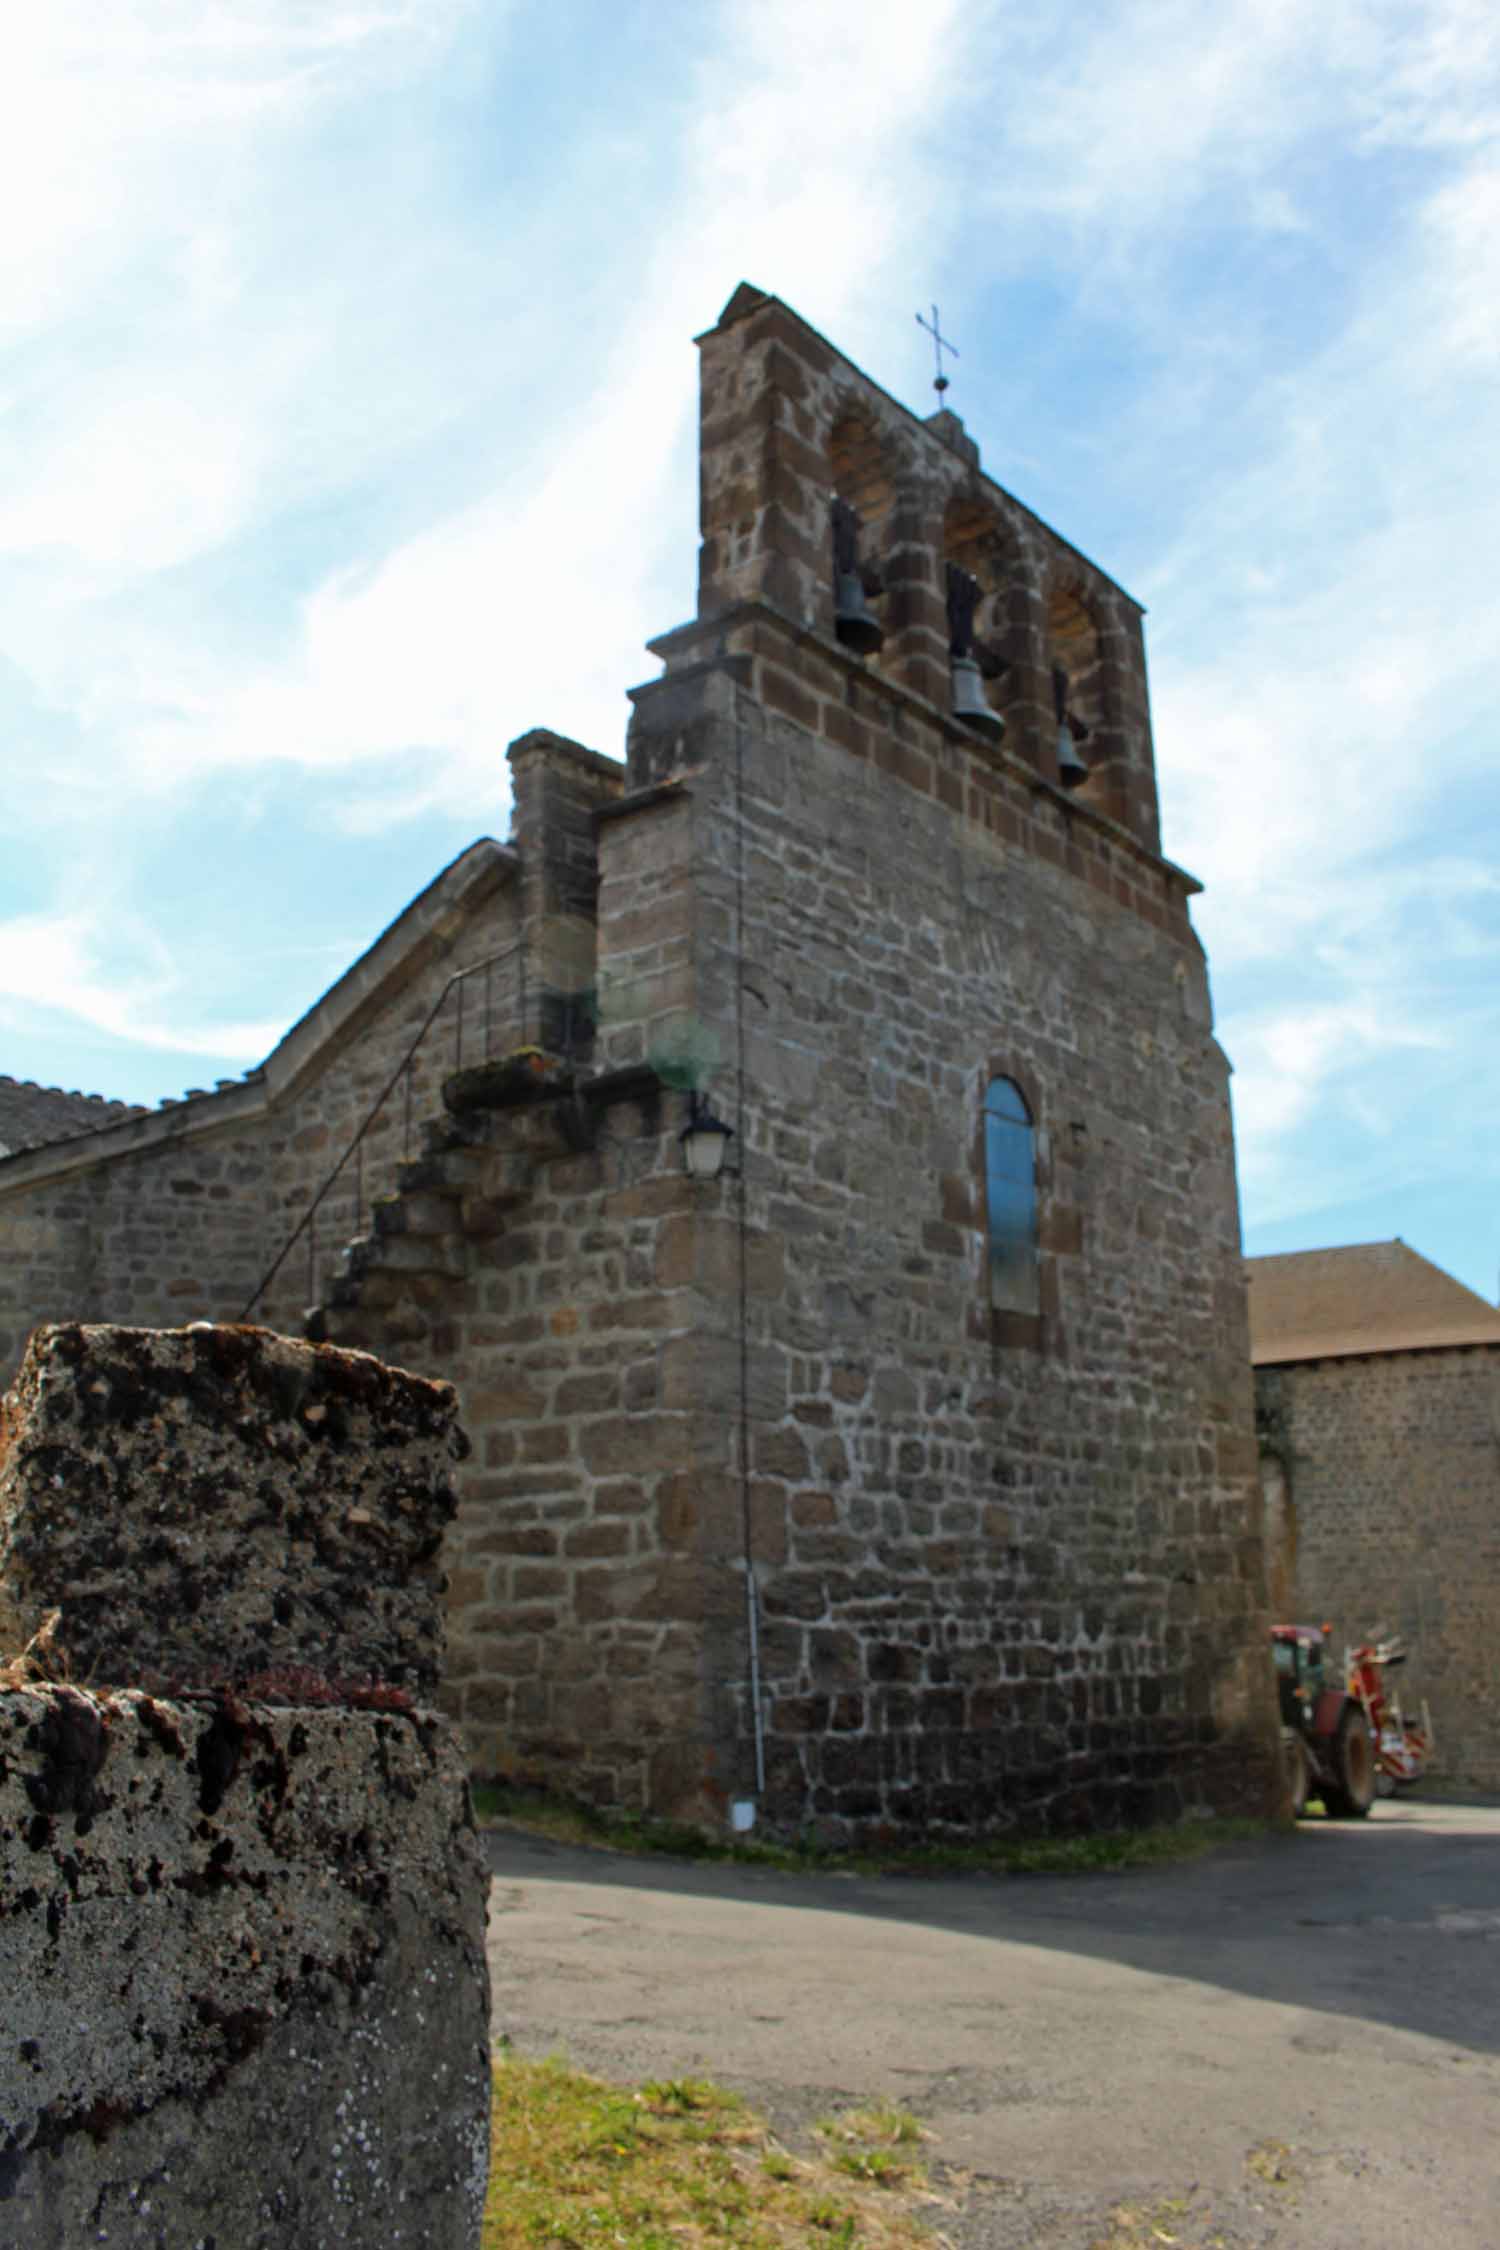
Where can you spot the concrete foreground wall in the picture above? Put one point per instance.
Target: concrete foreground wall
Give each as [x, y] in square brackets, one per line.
[212, 1502]
[243, 1993]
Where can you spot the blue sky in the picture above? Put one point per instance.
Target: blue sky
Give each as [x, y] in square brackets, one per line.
[346, 430]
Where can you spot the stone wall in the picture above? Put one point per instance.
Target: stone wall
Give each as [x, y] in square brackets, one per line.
[767, 1499]
[1002, 1571]
[1390, 1470]
[1007, 1570]
[241, 1924]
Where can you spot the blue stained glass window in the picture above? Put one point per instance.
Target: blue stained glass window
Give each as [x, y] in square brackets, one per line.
[1010, 1197]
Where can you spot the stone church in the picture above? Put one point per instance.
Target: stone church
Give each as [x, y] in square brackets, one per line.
[899, 1470]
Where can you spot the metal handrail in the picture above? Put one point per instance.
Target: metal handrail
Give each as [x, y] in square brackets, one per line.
[403, 1069]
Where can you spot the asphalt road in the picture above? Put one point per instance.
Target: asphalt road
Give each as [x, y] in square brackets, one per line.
[1298, 2039]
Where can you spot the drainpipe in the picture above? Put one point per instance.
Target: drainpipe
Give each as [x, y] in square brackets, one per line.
[752, 1589]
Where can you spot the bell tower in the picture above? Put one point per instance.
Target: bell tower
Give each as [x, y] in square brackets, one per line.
[831, 506]
[970, 1357]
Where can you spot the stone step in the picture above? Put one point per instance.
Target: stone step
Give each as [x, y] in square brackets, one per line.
[439, 1135]
[448, 1171]
[356, 1258]
[419, 1253]
[417, 1211]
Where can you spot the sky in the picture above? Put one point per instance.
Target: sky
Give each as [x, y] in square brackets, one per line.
[347, 427]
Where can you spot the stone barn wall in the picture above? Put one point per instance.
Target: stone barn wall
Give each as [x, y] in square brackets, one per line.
[1385, 1474]
[241, 1918]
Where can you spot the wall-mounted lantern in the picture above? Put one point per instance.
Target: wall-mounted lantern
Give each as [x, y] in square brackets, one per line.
[704, 1139]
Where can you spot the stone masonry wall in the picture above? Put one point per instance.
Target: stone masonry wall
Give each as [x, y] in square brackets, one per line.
[999, 1568]
[579, 1596]
[1022, 1576]
[1392, 1471]
[182, 1227]
[1000, 1575]
[241, 1924]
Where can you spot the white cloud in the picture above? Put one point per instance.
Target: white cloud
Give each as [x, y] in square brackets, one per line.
[71, 963]
[532, 603]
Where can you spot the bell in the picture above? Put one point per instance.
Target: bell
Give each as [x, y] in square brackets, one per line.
[854, 621]
[1070, 767]
[969, 702]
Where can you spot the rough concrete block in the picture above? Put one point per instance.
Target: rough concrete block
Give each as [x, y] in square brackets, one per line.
[245, 1993]
[214, 1503]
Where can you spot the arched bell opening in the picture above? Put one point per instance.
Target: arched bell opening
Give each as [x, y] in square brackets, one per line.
[862, 505]
[986, 627]
[1078, 718]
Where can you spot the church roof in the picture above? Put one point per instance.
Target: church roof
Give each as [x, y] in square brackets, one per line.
[1367, 1297]
[51, 1128]
[33, 1116]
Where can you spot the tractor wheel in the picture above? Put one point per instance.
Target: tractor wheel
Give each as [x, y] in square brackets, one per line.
[1295, 1759]
[1351, 1796]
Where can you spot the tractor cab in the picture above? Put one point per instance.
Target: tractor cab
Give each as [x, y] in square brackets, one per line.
[1326, 1734]
[1299, 1652]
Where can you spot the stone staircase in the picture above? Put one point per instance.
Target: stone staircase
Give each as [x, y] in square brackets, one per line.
[402, 1287]
[399, 1286]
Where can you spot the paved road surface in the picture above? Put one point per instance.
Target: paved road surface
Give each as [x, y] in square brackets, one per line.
[1325, 2008]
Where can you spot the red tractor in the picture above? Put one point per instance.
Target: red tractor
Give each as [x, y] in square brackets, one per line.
[1330, 1748]
[1403, 1747]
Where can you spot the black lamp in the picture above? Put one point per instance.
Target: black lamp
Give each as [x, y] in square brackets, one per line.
[705, 1139]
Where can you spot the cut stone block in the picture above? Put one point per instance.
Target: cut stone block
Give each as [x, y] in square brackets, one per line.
[246, 1999]
[220, 1503]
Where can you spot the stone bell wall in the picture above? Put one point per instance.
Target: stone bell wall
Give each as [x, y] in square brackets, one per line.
[241, 1919]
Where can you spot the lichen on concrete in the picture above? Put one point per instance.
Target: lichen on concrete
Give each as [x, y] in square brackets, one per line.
[241, 1949]
[217, 1502]
[241, 1912]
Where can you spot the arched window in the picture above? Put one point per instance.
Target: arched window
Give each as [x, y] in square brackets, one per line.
[1010, 1197]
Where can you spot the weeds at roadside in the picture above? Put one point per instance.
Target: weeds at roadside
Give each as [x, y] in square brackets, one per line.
[568, 1823]
[874, 2145]
[679, 2162]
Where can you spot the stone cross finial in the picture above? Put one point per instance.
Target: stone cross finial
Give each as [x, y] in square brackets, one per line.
[940, 344]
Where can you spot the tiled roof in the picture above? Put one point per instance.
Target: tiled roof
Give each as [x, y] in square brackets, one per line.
[1370, 1297]
[33, 1116]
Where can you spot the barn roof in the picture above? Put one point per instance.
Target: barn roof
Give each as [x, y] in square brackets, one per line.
[1366, 1297]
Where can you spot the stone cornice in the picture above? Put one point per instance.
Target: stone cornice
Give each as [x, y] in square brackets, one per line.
[683, 646]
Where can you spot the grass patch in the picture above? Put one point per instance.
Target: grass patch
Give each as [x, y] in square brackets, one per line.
[1141, 2226]
[568, 1823]
[674, 2164]
[874, 2145]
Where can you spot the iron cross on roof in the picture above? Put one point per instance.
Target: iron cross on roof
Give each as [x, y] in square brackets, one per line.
[940, 344]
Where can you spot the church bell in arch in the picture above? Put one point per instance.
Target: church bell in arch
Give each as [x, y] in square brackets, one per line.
[969, 702]
[854, 621]
[967, 699]
[1071, 730]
